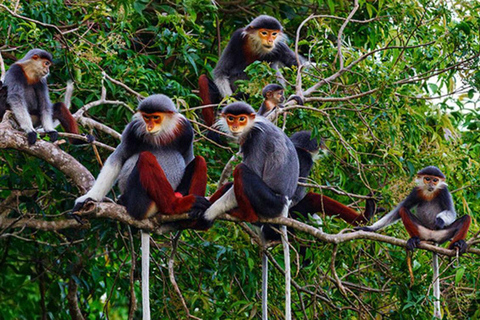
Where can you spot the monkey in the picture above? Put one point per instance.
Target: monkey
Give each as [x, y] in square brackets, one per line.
[304, 203]
[264, 183]
[434, 219]
[25, 93]
[156, 170]
[261, 40]
[273, 95]
[154, 164]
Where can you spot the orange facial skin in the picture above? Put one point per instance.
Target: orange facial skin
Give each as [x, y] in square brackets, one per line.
[237, 123]
[153, 121]
[268, 37]
[431, 182]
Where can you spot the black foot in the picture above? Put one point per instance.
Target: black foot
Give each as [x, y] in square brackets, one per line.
[198, 214]
[461, 245]
[413, 243]
[53, 135]
[32, 137]
[90, 138]
[439, 224]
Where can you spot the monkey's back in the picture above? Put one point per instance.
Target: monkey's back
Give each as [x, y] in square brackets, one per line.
[271, 155]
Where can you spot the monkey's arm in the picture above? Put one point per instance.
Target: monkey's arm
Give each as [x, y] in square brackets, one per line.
[224, 204]
[230, 63]
[107, 176]
[393, 216]
[46, 109]
[448, 215]
[286, 56]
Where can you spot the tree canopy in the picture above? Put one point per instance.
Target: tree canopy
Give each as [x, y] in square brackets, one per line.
[392, 87]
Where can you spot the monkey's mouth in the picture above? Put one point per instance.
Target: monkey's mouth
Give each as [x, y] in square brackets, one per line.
[267, 46]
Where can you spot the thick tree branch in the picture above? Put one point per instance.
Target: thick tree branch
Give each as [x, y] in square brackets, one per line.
[13, 139]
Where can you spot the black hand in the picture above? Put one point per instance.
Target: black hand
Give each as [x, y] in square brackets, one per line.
[439, 224]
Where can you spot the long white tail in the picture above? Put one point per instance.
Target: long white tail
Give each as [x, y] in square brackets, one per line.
[145, 275]
[264, 286]
[437, 312]
[288, 278]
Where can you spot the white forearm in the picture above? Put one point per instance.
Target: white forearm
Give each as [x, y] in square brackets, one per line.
[104, 182]
[447, 216]
[224, 204]
[223, 86]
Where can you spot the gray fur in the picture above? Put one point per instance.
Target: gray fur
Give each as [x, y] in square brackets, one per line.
[171, 146]
[26, 100]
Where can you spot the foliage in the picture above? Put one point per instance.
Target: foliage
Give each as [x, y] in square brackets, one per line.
[379, 127]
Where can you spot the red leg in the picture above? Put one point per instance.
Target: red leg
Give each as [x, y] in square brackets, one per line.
[245, 210]
[313, 203]
[205, 94]
[459, 237]
[154, 181]
[410, 222]
[194, 180]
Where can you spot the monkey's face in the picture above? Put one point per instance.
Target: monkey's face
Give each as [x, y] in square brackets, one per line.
[153, 121]
[268, 38]
[41, 66]
[276, 97]
[238, 124]
[430, 184]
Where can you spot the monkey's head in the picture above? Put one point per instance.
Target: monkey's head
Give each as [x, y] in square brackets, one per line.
[264, 32]
[430, 180]
[159, 114]
[274, 93]
[36, 64]
[237, 118]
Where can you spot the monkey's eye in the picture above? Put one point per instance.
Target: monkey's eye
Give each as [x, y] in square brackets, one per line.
[264, 33]
[47, 63]
[230, 118]
[435, 180]
[146, 118]
[427, 179]
[242, 119]
[274, 34]
[156, 117]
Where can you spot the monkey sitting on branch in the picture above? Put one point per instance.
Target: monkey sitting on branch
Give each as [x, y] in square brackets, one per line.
[25, 93]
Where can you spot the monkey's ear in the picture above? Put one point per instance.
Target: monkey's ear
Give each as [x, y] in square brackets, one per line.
[252, 115]
[35, 57]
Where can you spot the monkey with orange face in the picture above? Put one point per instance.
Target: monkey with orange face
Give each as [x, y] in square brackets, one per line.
[261, 40]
